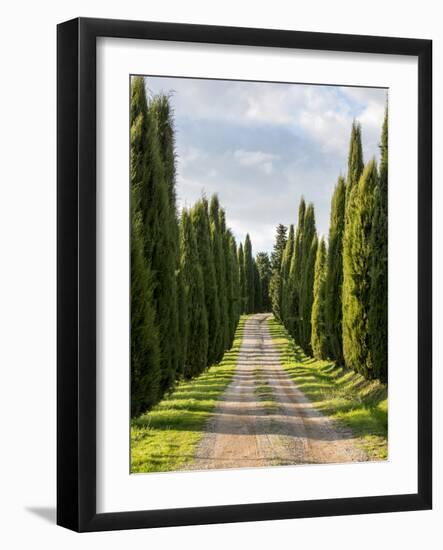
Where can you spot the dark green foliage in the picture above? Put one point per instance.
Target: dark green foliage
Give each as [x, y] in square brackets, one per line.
[307, 297]
[284, 274]
[200, 222]
[258, 306]
[160, 110]
[249, 275]
[234, 307]
[197, 322]
[242, 279]
[139, 128]
[308, 251]
[182, 342]
[357, 256]
[275, 285]
[334, 273]
[355, 170]
[378, 300]
[220, 267]
[159, 224]
[145, 353]
[190, 283]
[292, 319]
[264, 271]
[355, 157]
[228, 278]
[318, 325]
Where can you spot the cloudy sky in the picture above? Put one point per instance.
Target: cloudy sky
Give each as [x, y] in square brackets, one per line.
[261, 146]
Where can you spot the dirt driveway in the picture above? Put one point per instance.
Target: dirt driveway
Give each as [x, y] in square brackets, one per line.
[263, 419]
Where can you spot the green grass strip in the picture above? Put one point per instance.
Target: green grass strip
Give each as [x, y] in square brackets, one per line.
[165, 438]
[264, 392]
[345, 396]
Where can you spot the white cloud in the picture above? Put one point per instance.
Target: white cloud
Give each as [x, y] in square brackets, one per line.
[329, 128]
[263, 161]
[261, 146]
[190, 154]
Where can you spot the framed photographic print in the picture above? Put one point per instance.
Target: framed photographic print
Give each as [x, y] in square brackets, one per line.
[244, 274]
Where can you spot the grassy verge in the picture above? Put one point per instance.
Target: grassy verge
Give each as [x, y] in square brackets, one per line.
[345, 396]
[264, 392]
[165, 438]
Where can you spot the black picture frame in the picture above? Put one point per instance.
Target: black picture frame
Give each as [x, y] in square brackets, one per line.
[76, 273]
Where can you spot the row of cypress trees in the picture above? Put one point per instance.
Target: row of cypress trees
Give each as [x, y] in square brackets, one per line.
[255, 275]
[189, 283]
[332, 297]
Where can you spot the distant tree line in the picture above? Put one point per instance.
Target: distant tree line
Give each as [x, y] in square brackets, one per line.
[332, 298]
[189, 281]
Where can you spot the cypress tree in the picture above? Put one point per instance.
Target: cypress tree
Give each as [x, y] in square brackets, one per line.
[234, 268]
[276, 259]
[197, 348]
[219, 263]
[318, 324]
[308, 255]
[334, 274]
[378, 300]
[145, 353]
[147, 176]
[242, 280]
[200, 222]
[249, 275]
[355, 156]
[162, 113]
[264, 270]
[182, 342]
[355, 169]
[258, 306]
[284, 273]
[292, 321]
[357, 257]
[228, 278]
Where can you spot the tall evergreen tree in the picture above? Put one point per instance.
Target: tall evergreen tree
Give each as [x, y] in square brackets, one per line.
[258, 306]
[334, 273]
[197, 348]
[147, 176]
[357, 255]
[249, 275]
[318, 325]
[275, 286]
[162, 112]
[200, 222]
[234, 269]
[292, 321]
[219, 263]
[264, 270]
[308, 257]
[228, 277]
[378, 300]
[355, 170]
[162, 116]
[284, 273]
[355, 157]
[242, 279]
[145, 352]
[182, 342]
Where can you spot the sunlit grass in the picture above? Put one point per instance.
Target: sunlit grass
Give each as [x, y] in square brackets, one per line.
[264, 392]
[345, 396]
[165, 438]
